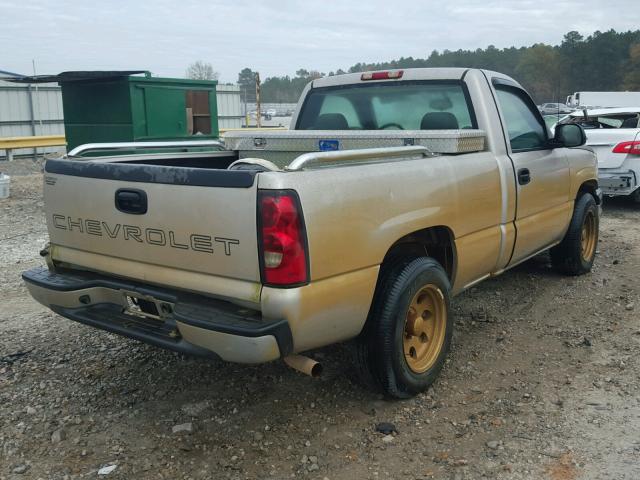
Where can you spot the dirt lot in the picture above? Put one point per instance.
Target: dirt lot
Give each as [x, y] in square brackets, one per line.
[543, 383]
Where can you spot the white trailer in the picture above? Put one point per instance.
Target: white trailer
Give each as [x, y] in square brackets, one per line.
[604, 99]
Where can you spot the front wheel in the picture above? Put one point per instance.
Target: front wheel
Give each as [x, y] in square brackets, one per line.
[577, 251]
[409, 330]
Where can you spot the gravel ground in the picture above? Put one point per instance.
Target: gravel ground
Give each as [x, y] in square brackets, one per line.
[542, 383]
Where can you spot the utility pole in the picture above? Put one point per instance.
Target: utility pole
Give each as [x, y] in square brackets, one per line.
[37, 99]
[246, 112]
[258, 111]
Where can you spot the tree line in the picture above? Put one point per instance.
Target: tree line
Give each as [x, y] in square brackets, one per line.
[603, 61]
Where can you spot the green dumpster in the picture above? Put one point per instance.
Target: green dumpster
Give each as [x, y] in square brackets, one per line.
[137, 108]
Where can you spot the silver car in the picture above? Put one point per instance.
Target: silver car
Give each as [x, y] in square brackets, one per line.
[554, 108]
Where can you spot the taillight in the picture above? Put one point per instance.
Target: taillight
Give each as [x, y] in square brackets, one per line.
[631, 148]
[283, 242]
[388, 75]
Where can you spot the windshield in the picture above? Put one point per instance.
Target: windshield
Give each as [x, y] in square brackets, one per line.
[376, 106]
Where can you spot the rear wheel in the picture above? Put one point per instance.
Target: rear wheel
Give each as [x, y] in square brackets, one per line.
[635, 196]
[577, 251]
[409, 330]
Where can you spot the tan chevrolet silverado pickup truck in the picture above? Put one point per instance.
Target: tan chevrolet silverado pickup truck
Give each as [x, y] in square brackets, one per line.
[392, 192]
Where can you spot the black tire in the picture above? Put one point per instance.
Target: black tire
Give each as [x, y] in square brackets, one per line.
[635, 196]
[568, 256]
[379, 351]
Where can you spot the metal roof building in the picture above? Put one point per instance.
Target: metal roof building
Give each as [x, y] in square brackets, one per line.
[27, 110]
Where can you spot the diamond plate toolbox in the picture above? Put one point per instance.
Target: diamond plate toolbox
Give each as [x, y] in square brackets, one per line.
[282, 146]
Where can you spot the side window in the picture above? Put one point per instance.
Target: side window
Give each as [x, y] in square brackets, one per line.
[525, 130]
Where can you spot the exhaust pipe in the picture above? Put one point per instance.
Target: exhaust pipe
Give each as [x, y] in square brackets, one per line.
[303, 364]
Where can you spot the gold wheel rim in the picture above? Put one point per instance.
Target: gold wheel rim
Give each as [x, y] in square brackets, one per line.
[424, 328]
[588, 237]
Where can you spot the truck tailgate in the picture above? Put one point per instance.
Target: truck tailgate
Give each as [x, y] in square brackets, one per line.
[197, 226]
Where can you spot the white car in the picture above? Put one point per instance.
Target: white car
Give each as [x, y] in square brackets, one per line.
[554, 109]
[614, 135]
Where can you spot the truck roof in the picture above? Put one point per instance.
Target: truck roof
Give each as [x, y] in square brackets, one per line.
[407, 74]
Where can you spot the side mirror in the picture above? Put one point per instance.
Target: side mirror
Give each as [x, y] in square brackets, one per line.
[569, 135]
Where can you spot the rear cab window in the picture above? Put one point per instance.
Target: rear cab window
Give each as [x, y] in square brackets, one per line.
[408, 105]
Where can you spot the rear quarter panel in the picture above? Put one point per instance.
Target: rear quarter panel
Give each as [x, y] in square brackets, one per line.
[603, 142]
[354, 214]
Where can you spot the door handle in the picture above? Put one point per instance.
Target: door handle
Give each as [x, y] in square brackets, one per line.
[524, 176]
[131, 200]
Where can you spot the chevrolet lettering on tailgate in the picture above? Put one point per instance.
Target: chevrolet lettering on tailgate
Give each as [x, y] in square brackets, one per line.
[152, 236]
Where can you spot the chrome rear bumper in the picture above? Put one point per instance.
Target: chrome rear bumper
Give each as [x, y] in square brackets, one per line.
[172, 319]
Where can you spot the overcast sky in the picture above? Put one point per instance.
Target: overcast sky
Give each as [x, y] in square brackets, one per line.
[278, 37]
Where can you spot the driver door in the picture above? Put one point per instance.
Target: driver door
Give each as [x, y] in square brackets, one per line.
[542, 174]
